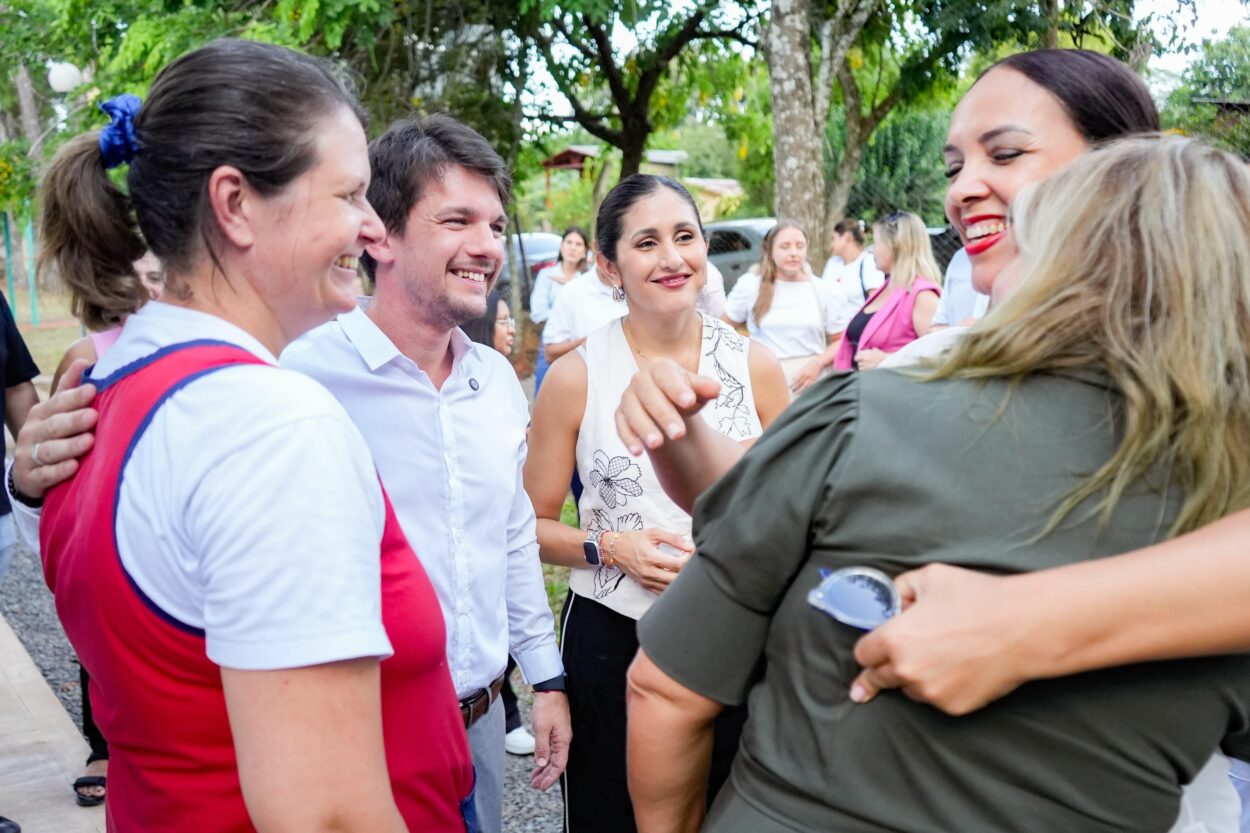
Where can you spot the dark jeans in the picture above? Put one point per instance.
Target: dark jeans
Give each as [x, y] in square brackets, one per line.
[598, 645]
[99, 746]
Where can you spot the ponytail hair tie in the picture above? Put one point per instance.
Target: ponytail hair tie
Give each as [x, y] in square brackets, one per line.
[118, 144]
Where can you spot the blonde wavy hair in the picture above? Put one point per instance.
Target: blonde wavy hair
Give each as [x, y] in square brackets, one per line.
[908, 239]
[1136, 262]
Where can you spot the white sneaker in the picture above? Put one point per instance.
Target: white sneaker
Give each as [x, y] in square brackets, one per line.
[518, 742]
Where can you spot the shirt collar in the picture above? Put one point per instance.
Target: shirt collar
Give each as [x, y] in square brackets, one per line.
[376, 347]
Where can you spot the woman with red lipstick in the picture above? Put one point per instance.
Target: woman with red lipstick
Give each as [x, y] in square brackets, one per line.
[902, 309]
[634, 540]
[1103, 406]
[787, 310]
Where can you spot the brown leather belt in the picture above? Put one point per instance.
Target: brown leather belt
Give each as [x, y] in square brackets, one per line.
[473, 708]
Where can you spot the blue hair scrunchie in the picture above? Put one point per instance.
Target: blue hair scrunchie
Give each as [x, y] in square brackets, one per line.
[118, 144]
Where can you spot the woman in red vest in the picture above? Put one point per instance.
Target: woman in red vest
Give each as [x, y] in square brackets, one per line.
[265, 652]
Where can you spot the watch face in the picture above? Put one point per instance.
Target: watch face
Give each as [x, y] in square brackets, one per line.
[591, 549]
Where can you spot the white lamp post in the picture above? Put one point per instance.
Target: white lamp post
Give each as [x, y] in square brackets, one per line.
[64, 77]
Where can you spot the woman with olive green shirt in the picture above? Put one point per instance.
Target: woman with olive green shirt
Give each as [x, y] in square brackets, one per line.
[1076, 428]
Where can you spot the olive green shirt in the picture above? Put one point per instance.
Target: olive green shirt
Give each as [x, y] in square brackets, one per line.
[881, 470]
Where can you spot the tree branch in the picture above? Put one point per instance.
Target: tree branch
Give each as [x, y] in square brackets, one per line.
[558, 24]
[593, 125]
[726, 34]
[607, 61]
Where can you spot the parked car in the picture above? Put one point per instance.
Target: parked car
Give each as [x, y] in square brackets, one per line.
[532, 251]
[734, 246]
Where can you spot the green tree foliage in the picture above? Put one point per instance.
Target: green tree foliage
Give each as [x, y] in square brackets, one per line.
[1214, 96]
[620, 96]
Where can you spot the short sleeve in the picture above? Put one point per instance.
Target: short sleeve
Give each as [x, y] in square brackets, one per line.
[19, 366]
[288, 529]
[742, 297]
[833, 306]
[752, 534]
[560, 323]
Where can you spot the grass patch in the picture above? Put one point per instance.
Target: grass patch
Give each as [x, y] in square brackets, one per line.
[48, 344]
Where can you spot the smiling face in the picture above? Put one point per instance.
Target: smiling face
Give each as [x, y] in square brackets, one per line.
[789, 253]
[573, 248]
[310, 235]
[1006, 133]
[450, 251]
[661, 257]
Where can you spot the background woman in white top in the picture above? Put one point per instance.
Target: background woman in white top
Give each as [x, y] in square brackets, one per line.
[787, 310]
[652, 249]
[550, 281]
[851, 271]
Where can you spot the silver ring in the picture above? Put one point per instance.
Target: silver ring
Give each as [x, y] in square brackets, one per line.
[34, 456]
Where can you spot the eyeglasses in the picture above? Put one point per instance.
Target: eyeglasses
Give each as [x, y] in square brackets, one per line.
[510, 323]
[857, 596]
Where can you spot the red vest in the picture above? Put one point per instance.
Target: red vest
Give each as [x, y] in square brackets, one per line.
[155, 694]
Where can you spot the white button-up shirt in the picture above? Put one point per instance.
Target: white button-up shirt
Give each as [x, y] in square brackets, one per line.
[451, 461]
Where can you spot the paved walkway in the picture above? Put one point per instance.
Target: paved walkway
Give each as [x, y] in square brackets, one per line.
[41, 751]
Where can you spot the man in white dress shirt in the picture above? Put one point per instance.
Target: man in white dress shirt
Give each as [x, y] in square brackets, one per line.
[446, 421]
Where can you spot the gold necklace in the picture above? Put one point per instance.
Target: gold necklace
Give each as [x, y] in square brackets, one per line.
[633, 342]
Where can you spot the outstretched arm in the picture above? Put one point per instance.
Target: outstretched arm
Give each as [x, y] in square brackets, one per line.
[967, 638]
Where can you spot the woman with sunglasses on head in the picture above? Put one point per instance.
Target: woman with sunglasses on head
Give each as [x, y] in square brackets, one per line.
[1077, 428]
[235, 638]
[786, 309]
[634, 540]
[902, 309]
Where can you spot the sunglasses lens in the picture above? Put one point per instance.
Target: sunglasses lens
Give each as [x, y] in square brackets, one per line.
[857, 596]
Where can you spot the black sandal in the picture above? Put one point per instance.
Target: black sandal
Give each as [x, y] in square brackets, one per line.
[82, 783]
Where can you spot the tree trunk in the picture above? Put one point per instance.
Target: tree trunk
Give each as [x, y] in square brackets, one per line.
[858, 129]
[1052, 30]
[28, 110]
[840, 187]
[798, 163]
[631, 153]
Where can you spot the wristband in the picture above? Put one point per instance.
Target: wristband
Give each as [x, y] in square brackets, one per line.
[556, 683]
[25, 500]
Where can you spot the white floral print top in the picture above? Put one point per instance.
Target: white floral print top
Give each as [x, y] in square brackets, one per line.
[620, 491]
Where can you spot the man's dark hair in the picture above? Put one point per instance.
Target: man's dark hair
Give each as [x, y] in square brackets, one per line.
[412, 153]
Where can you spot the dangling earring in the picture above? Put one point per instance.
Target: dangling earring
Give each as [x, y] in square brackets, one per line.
[618, 293]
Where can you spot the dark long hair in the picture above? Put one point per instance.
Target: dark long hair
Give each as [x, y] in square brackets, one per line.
[249, 105]
[1103, 97]
[622, 198]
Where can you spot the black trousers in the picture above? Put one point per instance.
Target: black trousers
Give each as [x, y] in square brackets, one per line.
[598, 645]
[99, 746]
